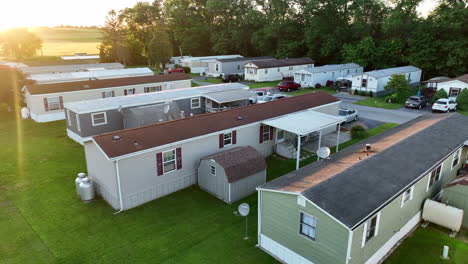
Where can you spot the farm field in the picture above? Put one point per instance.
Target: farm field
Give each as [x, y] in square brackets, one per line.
[67, 41]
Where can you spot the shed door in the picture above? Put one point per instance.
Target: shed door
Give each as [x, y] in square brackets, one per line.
[215, 180]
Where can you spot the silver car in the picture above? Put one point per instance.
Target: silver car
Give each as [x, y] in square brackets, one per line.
[349, 114]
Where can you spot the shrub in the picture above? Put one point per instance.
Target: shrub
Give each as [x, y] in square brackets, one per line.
[329, 83]
[441, 93]
[318, 85]
[462, 100]
[356, 92]
[358, 132]
[371, 94]
[176, 65]
[186, 69]
[363, 93]
[392, 98]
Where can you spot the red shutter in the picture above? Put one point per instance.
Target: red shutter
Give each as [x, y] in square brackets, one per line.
[221, 140]
[113, 94]
[234, 137]
[159, 163]
[61, 102]
[125, 91]
[46, 105]
[133, 91]
[179, 158]
[450, 92]
[261, 134]
[146, 89]
[272, 131]
[103, 94]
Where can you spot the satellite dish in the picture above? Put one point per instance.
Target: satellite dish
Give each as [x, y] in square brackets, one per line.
[243, 209]
[166, 109]
[323, 152]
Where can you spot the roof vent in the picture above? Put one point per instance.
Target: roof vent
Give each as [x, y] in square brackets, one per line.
[239, 118]
[116, 138]
[135, 143]
[368, 147]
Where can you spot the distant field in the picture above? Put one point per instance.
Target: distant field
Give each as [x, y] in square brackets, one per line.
[67, 41]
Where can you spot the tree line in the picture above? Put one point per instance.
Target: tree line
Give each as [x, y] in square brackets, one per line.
[374, 33]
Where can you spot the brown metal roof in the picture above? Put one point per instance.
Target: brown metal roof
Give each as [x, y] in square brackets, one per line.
[105, 83]
[172, 131]
[240, 162]
[282, 62]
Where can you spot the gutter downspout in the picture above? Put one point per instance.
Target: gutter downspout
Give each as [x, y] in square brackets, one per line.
[117, 174]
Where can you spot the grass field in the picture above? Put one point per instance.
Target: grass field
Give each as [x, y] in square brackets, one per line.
[67, 41]
[43, 221]
[263, 84]
[379, 102]
[310, 90]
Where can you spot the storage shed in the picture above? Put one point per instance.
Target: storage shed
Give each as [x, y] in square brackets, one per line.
[233, 174]
[456, 195]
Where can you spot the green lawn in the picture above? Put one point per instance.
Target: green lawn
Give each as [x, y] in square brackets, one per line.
[194, 84]
[379, 102]
[463, 112]
[425, 246]
[310, 90]
[211, 80]
[263, 84]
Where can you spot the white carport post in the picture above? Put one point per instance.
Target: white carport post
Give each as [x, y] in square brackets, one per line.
[338, 137]
[320, 142]
[298, 154]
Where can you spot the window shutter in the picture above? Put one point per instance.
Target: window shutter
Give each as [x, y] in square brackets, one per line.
[179, 158]
[113, 94]
[103, 94]
[221, 140]
[261, 134]
[61, 102]
[234, 137]
[146, 89]
[450, 92]
[125, 91]
[46, 105]
[159, 163]
[272, 130]
[133, 91]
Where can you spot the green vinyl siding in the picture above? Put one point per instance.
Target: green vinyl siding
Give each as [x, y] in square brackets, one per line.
[393, 217]
[457, 196]
[280, 222]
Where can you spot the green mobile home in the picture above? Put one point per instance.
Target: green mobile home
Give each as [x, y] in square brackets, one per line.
[456, 195]
[355, 206]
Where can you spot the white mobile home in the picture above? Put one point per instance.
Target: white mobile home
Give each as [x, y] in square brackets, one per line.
[309, 77]
[274, 69]
[220, 67]
[375, 81]
[452, 86]
[200, 64]
[133, 166]
[45, 102]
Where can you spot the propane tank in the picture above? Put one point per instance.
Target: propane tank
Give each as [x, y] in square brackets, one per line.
[78, 180]
[86, 189]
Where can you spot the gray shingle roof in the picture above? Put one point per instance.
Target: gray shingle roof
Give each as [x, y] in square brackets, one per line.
[355, 193]
[391, 71]
[240, 162]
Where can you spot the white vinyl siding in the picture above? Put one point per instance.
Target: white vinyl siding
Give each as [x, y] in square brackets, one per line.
[99, 119]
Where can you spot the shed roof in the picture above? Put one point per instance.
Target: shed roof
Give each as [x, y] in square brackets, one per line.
[282, 62]
[391, 71]
[352, 185]
[332, 67]
[182, 129]
[105, 83]
[239, 162]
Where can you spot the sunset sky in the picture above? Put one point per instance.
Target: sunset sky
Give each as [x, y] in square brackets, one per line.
[28, 13]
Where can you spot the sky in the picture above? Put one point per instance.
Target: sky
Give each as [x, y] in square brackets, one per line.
[29, 13]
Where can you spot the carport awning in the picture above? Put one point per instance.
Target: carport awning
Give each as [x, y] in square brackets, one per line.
[229, 96]
[305, 122]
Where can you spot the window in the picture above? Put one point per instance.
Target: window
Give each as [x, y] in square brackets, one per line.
[153, 89]
[129, 91]
[456, 158]
[409, 77]
[195, 103]
[227, 139]
[435, 176]
[251, 71]
[78, 126]
[53, 103]
[278, 69]
[371, 229]
[169, 161]
[238, 67]
[407, 196]
[69, 118]
[308, 226]
[364, 82]
[266, 133]
[454, 92]
[99, 119]
[279, 135]
[213, 170]
[107, 94]
[216, 67]
[266, 71]
[302, 77]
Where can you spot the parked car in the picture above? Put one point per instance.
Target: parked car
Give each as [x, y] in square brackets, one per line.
[444, 105]
[231, 78]
[270, 97]
[416, 102]
[349, 114]
[171, 70]
[288, 86]
[260, 92]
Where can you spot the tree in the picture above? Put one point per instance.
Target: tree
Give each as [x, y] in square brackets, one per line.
[462, 100]
[160, 48]
[12, 82]
[400, 86]
[20, 43]
[113, 48]
[441, 93]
